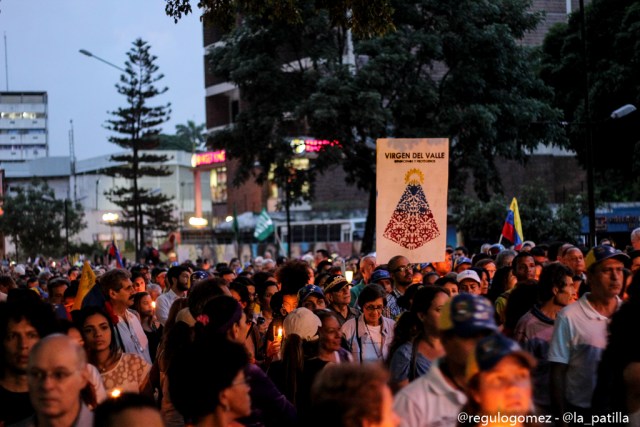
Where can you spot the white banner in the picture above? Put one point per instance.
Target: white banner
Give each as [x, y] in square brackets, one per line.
[411, 207]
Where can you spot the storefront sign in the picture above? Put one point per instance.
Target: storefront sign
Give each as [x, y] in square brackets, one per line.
[209, 158]
[301, 146]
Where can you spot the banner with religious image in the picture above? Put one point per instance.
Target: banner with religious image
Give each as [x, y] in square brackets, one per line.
[411, 208]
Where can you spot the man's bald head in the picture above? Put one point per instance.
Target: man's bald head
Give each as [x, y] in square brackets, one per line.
[57, 373]
[57, 342]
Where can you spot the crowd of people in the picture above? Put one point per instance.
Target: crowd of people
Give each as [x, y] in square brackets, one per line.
[500, 337]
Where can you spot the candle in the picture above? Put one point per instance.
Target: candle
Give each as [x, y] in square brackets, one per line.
[280, 333]
[153, 305]
[348, 275]
[115, 393]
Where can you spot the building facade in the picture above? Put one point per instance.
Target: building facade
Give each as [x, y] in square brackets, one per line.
[90, 183]
[23, 126]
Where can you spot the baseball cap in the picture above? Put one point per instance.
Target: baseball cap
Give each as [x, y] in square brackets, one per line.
[468, 275]
[303, 323]
[335, 284]
[604, 252]
[490, 350]
[196, 276]
[496, 248]
[467, 315]
[304, 292]
[380, 275]
[461, 260]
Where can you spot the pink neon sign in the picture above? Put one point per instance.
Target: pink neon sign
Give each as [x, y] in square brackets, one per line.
[209, 158]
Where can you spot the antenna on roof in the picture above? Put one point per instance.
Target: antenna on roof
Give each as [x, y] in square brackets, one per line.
[6, 61]
[72, 159]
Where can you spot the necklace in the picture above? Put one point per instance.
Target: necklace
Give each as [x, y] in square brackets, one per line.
[373, 343]
[108, 364]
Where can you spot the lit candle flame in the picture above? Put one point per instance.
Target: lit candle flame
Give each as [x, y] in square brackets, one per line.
[116, 392]
[279, 333]
[153, 305]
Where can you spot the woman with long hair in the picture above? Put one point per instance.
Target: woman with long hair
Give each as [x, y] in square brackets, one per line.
[142, 304]
[223, 319]
[220, 395]
[121, 371]
[502, 281]
[413, 358]
[300, 343]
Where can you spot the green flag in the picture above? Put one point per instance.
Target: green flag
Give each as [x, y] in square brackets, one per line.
[264, 226]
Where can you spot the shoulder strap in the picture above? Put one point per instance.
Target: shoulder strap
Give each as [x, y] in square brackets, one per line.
[356, 335]
[413, 364]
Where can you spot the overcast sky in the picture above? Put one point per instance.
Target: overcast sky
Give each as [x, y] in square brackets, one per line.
[43, 39]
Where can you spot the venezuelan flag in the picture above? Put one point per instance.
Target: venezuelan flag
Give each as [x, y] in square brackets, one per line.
[512, 229]
[115, 254]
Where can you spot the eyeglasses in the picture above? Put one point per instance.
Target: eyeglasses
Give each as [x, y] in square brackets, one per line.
[403, 269]
[58, 376]
[374, 307]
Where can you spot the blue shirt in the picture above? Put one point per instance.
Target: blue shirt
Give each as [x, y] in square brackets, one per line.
[400, 365]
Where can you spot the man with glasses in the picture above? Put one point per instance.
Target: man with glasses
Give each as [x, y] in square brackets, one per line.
[117, 289]
[57, 374]
[402, 277]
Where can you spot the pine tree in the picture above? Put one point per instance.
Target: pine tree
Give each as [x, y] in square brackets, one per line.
[138, 128]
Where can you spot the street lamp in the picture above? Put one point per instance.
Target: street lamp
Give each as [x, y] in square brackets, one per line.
[91, 55]
[198, 222]
[111, 218]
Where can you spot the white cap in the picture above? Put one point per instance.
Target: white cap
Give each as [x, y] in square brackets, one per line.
[303, 323]
[468, 275]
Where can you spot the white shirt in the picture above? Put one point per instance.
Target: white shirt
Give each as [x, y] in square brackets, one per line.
[96, 381]
[579, 338]
[366, 341]
[132, 335]
[429, 401]
[163, 305]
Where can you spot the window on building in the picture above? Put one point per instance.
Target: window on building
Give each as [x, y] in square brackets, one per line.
[218, 183]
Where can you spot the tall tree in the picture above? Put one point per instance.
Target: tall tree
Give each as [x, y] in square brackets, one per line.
[453, 69]
[37, 222]
[612, 68]
[138, 128]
